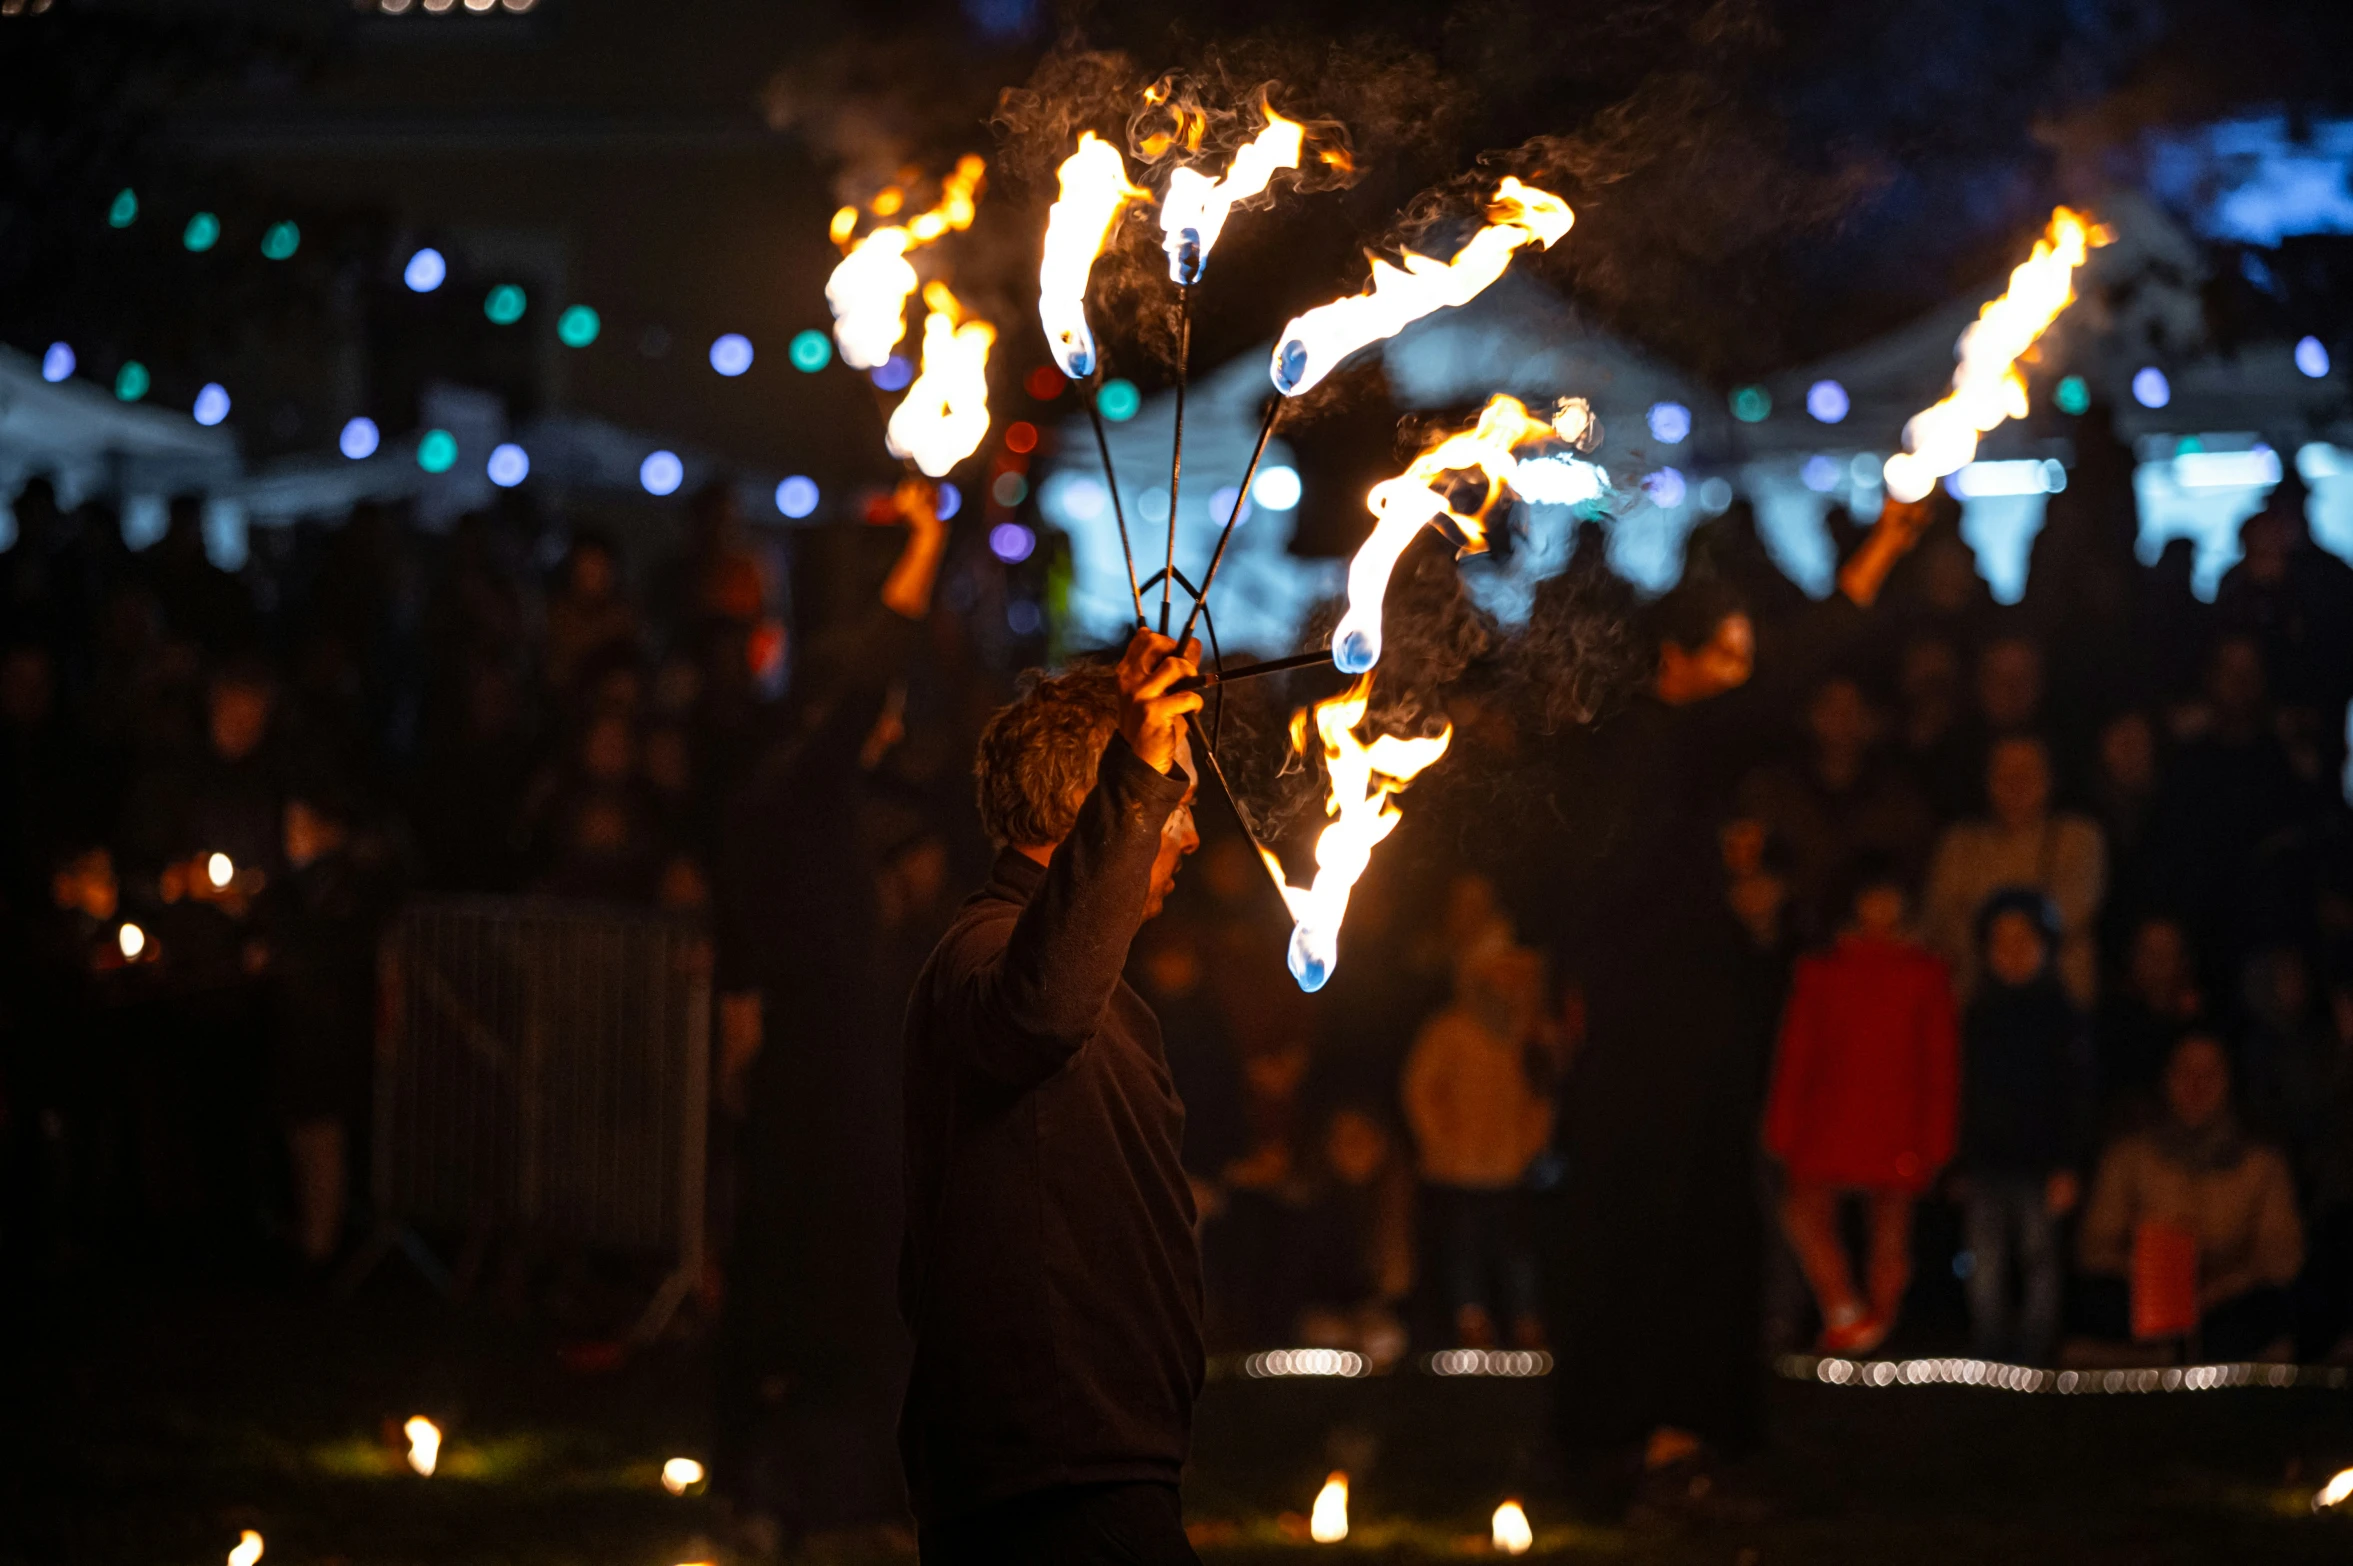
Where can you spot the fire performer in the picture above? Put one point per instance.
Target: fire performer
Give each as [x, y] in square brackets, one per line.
[1050, 1273]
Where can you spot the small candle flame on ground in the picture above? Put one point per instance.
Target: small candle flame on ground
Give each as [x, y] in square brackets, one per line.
[1194, 211]
[1419, 495]
[869, 287]
[220, 870]
[681, 1474]
[1364, 776]
[945, 415]
[424, 1444]
[130, 940]
[2335, 1492]
[1328, 1524]
[248, 1549]
[1987, 387]
[1312, 345]
[1511, 1534]
[1095, 190]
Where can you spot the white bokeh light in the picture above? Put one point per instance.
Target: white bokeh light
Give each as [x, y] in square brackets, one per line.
[1276, 488]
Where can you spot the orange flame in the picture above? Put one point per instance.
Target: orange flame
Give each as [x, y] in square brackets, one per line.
[1364, 776]
[1313, 345]
[1420, 495]
[1193, 213]
[868, 289]
[1095, 190]
[1329, 1522]
[945, 415]
[424, 1444]
[1509, 1532]
[248, 1548]
[1987, 387]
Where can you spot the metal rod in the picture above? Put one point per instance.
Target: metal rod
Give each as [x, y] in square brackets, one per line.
[1111, 482]
[1252, 671]
[1241, 499]
[1176, 450]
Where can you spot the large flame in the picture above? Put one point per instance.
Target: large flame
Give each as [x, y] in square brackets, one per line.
[868, 289]
[1313, 345]
[1987, 387]
[424, 1444]
[1329, 1522]
[1509, 1531]
[1194, 211]
[1095, 190]
[1364, 776]
[1423, 493]
[945, 415]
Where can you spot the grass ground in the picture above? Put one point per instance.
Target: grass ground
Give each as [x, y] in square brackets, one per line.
[143, 1428]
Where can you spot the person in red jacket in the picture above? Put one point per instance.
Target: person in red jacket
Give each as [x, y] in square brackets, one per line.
[1865, 1101]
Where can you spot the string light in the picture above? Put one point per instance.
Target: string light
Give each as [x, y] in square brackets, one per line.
[359, 439]
[123, 211]
[202, 233]
[894, 373]
[1011, 542]
[132, 380]
[661, 473]
[578, 326]
[58, 363]
[797, 497]
[1276, 488]
[426, 271]
[1670, 423]
[280, 240]
[212, 404]
[2312, 357]
[504, 305]
[1119, 400]
[1997, 1376]
[2150, 388]
[2072, 396]
[1827, 401]
[509, 465]
[437, 452]
[811, 351]
[731, 354]
[1752, 404]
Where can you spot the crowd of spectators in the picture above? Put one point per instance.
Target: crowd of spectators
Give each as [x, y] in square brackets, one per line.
[2039, 917]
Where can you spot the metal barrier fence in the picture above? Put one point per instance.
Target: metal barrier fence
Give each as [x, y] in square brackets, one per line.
[542, 1068]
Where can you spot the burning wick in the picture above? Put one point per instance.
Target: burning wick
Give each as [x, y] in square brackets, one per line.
[945, 415]
[248, 1548]
[1987, 387]
[2335, 1492]
[1512, 1535]
[1314, 344]
[130, 940]
[1193, 213]
[868, 289]
[220, 870]
[1420, 495]
[1095, 190]
[1363, 779]
[681, 1474]
[424, 1444]
[1328, 1523]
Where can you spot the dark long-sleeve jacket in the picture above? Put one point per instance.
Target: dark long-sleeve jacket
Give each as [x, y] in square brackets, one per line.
[1050, 1274]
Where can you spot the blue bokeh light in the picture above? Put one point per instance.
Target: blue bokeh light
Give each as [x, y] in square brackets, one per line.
[951, 501]
[426, 271]
[359, 439]
[212, 404]
[2312, 357]
[1827, 401]
[661, 473]
[58, 363]
[1665, 488]
[894, 373]
[796, 497]
[1820, 473]
[1276, 488]
[509, 465]
[1670, 423]
[2150, 388]
[1011, 542]
[731, 354]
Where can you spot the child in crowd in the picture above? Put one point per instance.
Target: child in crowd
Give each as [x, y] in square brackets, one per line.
[1479, 1121]
[1862, 1103]
[2026, 1111]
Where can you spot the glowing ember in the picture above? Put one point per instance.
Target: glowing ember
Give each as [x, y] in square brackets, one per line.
[1987, 387]
[130, 940]
[1363, 777]
[1313, 345]
[1095, 190]
[1328, 1524]
[220, 870]
[868, 289]
[1512, 1535]
[424, 1444]
[681, 1474]
[945, 414]
[1426, 492]
[1194, 211]
[248, 1548]
[2335, 1492]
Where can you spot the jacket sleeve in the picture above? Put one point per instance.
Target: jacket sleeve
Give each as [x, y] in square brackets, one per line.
[1793, 1063]
[1940, 1062]
[1031, 1006]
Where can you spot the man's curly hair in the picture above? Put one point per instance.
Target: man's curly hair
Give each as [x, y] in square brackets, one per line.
[1038, 754]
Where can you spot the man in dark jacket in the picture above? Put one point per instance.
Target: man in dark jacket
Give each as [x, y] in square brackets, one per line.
[1050, 1274]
